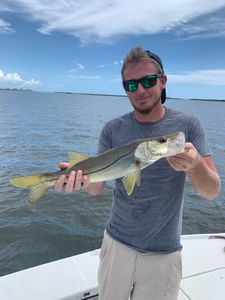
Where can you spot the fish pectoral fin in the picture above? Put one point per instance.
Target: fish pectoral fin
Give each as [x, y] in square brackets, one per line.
[37, 192]
[76, 157]
[130, 180]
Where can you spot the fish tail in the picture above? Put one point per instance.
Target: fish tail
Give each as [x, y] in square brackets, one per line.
[38, 185]
[27, 181]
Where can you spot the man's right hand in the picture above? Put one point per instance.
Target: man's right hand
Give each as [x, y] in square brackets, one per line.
[75, 181]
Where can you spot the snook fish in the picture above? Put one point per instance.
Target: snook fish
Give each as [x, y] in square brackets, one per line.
[126, 161]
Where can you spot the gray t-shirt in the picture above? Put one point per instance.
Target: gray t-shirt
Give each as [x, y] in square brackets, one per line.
[151, 218]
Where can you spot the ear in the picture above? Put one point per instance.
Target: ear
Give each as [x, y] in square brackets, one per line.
[164, 80]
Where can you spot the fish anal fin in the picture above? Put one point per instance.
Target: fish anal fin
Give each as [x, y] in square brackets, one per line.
[37, 192]
[76, 157]
[130, 180]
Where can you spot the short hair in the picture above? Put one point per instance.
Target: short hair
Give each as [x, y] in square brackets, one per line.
[137, 55]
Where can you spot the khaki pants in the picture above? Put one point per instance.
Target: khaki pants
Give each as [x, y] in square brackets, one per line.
[124, 272]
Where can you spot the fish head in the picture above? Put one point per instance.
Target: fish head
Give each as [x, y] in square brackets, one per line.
[153, 149]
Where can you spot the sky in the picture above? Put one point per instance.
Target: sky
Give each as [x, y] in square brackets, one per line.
[79, 46]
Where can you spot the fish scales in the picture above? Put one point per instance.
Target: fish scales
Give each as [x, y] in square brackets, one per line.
[106, 159]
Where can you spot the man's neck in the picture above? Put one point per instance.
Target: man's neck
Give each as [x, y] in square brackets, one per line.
[152, 116]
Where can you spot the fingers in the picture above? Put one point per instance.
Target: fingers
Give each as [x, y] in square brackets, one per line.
[85, 182]
[176, 163]
[185, 161]
[78, 182]
[74, 182]
[60, 183]
[70, 182]
[61, 180]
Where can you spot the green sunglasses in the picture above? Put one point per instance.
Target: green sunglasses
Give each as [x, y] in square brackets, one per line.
[147, 82]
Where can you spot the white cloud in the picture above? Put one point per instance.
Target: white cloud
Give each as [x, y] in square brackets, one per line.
[107, 19]
[77, 67]
[15, 80]
[204, 27]
[90, 77]
[5, 27]
[205, 77]
[114, 63]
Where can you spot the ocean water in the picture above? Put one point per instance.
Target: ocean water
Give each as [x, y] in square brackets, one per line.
[36, 132]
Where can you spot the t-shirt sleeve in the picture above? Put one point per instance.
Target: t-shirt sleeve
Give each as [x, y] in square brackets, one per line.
[198, 137]
[105, 139]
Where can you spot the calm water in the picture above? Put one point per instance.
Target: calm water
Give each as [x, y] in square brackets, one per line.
[36, 132]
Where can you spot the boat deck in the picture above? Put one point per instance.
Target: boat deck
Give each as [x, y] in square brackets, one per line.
[75, 278]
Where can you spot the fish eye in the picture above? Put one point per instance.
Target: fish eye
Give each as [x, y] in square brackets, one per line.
[162, 139]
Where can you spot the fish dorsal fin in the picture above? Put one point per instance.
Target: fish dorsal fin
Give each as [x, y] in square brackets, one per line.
[76, 157]
[130, 180]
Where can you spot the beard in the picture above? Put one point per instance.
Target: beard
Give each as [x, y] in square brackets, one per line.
[147, 110]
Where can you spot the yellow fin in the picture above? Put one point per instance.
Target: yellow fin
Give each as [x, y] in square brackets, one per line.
[76, 157]
[37, 192]
[27, 181]
[35, 183]
[130, 180]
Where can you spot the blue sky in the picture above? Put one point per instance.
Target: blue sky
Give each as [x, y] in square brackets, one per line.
[79, 46]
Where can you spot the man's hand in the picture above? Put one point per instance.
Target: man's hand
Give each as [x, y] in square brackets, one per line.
[200, 170]
[185, 161]
[75, 181]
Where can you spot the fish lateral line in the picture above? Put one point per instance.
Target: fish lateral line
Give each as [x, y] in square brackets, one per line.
[106, 166]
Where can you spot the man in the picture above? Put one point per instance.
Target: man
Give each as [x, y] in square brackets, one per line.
[140, 255]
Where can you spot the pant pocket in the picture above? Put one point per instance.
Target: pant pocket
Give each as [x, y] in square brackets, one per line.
[177, 264]
[106, 243]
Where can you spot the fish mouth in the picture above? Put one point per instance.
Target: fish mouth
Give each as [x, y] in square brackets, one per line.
[174, 146]
[175, 150]
[178, 145]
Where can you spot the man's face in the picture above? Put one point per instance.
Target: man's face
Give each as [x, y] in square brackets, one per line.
[144, 100]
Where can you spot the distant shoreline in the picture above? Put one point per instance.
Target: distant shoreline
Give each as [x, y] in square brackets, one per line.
[16, 90]
[108, 95]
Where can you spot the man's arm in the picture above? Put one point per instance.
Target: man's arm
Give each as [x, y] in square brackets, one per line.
[77, 181]
[200, 170]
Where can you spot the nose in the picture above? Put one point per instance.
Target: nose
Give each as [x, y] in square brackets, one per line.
[140, 88]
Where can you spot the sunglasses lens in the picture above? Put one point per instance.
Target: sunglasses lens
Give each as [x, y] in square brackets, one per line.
[130, 85]
[148, 81]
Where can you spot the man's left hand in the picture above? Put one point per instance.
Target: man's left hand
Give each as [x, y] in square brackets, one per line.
[185, 161]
